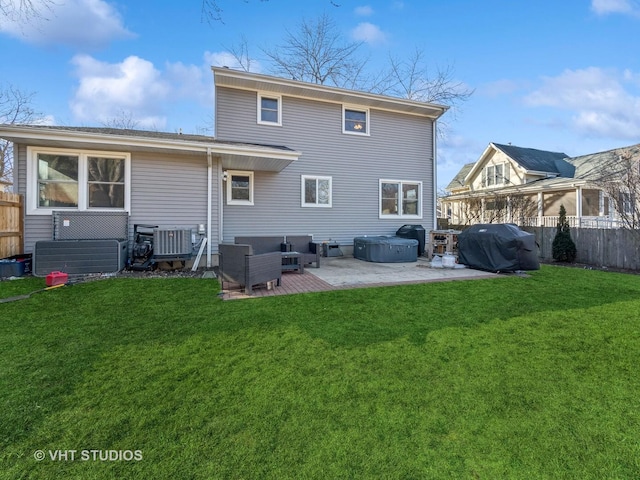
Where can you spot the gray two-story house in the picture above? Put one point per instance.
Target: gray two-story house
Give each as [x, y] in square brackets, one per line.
[287, 158]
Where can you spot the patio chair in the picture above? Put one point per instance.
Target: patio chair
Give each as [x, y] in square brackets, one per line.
[239, 265]
[311, 252]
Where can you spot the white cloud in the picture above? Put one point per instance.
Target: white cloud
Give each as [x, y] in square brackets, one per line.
[77, 23]
[605, 7]
[137, 87]
[364, 11]
[105, 90]
[601, 102]
[369, 33]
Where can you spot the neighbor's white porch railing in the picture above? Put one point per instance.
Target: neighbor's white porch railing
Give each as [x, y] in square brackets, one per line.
[574, 222]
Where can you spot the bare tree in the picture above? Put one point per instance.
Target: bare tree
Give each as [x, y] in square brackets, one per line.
[619, 178]
[411, 78]
[318, 53]
[240, 52]
[15, 109]
[124, 120]
[212, 11]
[497, 207]
[25, 11]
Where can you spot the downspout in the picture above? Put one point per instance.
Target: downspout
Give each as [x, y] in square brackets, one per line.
[220, 202]
[209, 200]
[435, 177]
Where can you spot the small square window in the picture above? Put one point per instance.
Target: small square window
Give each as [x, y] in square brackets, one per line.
[239, 188]
[355, 121]
[316, 191]
[269, 109]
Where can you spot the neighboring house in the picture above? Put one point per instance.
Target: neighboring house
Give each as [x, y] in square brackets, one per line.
[288, 158]
[527, 186]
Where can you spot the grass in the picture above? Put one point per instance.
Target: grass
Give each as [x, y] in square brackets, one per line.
[532, 378]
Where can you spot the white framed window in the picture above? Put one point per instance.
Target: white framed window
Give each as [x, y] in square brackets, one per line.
[239, 187]
[400, 199]
[316, 191]
[627, 203]
[355, 120]
[495, 175]
[64, 179]
[269, 109]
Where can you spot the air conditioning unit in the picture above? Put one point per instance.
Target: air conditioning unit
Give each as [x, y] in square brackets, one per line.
[171, 242]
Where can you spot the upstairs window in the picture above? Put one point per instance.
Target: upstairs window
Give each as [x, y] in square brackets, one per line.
[269, 109]
[316, 191]
[355, 121]
[495, 175]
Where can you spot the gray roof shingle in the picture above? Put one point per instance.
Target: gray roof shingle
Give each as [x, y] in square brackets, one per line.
[539, 160]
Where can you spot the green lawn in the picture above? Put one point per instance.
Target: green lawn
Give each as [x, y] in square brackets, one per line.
[507, 378]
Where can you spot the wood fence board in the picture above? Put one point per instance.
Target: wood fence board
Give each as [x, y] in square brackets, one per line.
[11, 224]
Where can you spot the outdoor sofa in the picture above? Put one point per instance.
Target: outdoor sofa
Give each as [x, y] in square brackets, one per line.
[241, 265]
[303, 244]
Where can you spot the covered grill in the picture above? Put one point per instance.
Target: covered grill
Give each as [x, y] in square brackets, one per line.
[499, 247]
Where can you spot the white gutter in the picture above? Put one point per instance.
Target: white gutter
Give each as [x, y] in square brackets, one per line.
[53, 135]
[209, 200]
[220, 202]
[435, 177]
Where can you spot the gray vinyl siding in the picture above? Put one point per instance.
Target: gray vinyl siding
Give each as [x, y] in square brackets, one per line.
[36, 227]
[166, 190]
[399, 148]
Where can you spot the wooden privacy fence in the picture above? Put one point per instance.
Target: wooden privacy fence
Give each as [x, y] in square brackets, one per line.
[604, 247]
[11, 225]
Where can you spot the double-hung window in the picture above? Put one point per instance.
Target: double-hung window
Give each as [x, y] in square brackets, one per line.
[400, 198]
[77, 180]
[239, 187]
[316, 191]
[355, 121]
[496, 175]
[269, 109]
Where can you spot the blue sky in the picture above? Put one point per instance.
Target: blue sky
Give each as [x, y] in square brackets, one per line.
[553, 75]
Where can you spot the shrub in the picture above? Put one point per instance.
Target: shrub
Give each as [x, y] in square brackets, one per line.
[563, 248]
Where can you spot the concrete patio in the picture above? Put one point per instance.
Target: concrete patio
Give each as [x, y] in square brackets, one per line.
[347, 272]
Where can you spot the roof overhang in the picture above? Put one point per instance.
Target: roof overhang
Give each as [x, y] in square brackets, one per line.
[233, 155]
[226, 77]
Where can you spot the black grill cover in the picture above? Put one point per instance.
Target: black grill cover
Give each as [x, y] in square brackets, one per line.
[416, 232]
[498, 247]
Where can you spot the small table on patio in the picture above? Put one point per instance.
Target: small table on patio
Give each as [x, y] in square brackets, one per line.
[292, 261]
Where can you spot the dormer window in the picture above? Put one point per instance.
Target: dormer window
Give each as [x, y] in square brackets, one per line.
[496, 175]
[269, 109]
[355, 121]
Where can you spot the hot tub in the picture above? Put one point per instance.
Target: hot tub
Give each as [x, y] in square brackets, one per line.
[384, 249]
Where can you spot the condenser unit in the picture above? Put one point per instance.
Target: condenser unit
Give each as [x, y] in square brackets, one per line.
[171, 243]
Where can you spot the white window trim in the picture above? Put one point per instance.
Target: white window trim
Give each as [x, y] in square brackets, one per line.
[229, 175]
[400, 183]
[303, 178]
[356, 109]
[259, 109]
[83, 184]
